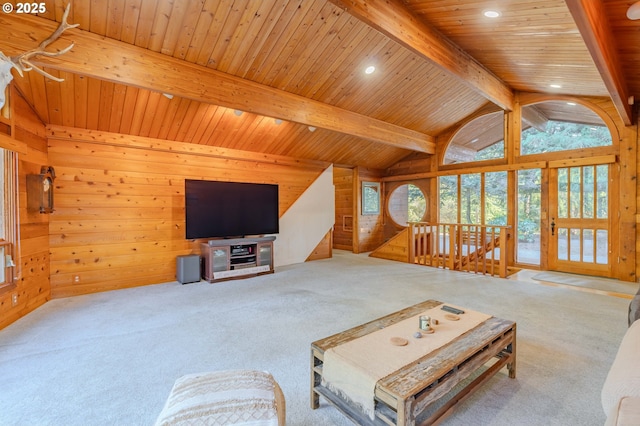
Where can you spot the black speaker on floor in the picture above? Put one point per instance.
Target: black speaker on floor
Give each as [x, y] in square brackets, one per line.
[188, 268]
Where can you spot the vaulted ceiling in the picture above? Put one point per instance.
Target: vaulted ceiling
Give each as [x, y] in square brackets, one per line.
[184, 70]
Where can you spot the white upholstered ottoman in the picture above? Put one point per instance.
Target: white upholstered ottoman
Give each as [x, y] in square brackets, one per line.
[232, 397]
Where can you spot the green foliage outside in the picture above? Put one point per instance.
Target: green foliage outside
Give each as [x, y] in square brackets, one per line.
[417, 204]
[529, 200]
[559, 136]
[494, 151]
[448, 199]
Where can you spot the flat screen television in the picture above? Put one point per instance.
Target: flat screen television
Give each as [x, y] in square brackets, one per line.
[230, 209]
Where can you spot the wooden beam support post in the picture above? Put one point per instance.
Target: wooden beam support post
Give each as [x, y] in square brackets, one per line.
[591, 19]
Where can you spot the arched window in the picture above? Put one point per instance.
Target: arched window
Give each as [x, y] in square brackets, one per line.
[560, 126]
[407, 203]
[480, 139]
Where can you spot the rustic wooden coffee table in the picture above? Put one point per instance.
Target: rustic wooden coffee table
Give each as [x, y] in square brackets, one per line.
[415, 394]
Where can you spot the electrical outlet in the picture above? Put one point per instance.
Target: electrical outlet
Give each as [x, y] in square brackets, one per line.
[14, 299]
[76, 279]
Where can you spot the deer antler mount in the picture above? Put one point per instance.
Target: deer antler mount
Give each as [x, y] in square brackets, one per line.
[22, 62]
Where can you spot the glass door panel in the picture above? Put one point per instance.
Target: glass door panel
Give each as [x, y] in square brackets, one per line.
[579, 205]
[528, 219]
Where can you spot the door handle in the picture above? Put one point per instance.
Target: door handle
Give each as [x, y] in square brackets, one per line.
[553, 226]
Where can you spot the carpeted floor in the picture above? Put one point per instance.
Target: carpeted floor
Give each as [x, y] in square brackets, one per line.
[111, 358]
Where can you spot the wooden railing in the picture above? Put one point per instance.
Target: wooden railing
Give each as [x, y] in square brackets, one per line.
[459, 247]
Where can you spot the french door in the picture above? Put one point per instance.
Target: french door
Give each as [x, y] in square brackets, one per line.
[579, 210]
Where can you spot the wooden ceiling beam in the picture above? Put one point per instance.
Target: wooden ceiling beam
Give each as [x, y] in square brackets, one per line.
[591, 18]
[393, 19]
[123, 63]
[64, 133]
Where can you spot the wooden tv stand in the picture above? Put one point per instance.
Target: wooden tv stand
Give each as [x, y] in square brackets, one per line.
[237, 258]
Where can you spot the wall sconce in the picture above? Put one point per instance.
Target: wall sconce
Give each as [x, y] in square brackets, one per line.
[312, 129]
[277, 121]
[40, 190]
[168, 95]
[238, 112]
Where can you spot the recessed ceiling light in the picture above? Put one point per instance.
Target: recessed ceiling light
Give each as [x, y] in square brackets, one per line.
[491, 13]
[571, 103]
[370, 69]
[555, 86]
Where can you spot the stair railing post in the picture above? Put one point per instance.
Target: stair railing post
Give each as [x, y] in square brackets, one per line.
[503, 252]
[411, 243]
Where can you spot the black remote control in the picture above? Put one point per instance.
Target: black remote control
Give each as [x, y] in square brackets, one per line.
[452, 310]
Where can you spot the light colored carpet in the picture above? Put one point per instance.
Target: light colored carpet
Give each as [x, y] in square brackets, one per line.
[112, 358]
[584, 281]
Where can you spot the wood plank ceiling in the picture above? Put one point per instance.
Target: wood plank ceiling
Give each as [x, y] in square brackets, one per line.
[316, 51]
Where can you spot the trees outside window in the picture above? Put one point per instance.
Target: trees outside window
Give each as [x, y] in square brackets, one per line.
[528, 219]
[448, 199]
[407, 203]
[482, 198]
[554, 126]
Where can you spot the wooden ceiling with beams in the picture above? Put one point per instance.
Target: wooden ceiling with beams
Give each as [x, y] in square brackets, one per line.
[183, 70]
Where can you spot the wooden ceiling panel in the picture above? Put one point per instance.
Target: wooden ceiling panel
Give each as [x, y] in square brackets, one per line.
[279, 49]
[558, 111]
[627, 35]
[318, 51]
[530, 46]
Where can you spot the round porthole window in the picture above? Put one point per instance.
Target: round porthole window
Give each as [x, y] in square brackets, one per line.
[407, 203]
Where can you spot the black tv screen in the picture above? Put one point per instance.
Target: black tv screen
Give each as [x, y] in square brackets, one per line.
[230, 209]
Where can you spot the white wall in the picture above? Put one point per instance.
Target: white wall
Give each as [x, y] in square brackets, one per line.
[306, 222]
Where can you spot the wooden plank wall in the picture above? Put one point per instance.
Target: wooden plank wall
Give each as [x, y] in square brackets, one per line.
[368, 228]
[324, 248]
[343, 228]
[33, 285]
[396, 248]
[119, 219]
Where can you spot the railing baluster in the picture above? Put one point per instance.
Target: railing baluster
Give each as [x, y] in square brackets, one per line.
[410, 243]
[477, 255]
[456, 246]
[503, 252]
[436, 245]
[485, 243]
[493, 252]
[425, 241]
